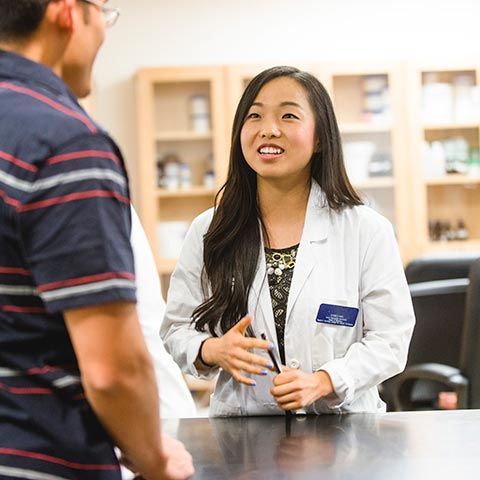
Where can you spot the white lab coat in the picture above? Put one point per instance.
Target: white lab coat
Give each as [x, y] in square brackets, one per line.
[347, 258]
[175, 398]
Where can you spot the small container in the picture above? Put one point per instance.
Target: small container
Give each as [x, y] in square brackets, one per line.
[463, 88]
[380, 165]
[168, 170]
[437, 103]
[375, 98]
[185, 176]
[172, 175]
[209, 179]
[474, 162]
[160, 172]
[461, 233]
[434, 160]
[200, 113]
[357, 155]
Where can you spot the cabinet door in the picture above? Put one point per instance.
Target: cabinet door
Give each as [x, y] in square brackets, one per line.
[445, 121]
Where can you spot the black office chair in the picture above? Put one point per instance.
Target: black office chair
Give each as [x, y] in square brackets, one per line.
[438, 286]
[463, 379]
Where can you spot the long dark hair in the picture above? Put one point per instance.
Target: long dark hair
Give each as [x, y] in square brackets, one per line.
[231, 244]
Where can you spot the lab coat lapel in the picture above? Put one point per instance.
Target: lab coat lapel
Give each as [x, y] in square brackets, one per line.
[262, 312]
[315, 231]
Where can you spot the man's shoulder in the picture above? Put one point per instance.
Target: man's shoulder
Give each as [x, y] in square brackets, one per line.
[43, 111]
[38, 125]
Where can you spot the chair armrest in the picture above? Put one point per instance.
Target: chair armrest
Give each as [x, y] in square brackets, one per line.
[449, 376]
[439, 287]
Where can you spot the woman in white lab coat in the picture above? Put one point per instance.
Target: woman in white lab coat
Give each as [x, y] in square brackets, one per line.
[290, 252]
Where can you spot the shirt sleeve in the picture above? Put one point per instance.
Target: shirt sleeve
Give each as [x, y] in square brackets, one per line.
[74, 223]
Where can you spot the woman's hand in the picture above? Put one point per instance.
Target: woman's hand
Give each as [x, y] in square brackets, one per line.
[230, 352]
[293, 389]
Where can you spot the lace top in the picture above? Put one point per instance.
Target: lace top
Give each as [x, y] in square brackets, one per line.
[280, 265]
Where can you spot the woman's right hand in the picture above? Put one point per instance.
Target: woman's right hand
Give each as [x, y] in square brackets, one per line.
[231, 353]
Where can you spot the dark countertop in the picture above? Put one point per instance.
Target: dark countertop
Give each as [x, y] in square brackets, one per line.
[407, 445]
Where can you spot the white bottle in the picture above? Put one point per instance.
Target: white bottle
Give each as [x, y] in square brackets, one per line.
[200, 113]
[172, 175]
[185, 176]
[437, 160]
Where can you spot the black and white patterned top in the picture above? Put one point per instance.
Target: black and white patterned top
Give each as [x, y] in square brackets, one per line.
[280, 265]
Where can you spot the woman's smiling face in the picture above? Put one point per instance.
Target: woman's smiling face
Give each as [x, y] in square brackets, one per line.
[278, 134]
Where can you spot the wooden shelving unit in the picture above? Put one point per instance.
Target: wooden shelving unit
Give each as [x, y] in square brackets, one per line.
[368, 101]
[166, 127]
[443, 197]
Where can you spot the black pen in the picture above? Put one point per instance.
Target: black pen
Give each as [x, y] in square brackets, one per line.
[277, 366]
[278, 369]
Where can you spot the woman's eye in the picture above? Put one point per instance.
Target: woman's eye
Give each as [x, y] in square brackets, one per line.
[253, 115]
[289, 115]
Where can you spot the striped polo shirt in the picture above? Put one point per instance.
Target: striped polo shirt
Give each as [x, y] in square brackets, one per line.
[64, 244]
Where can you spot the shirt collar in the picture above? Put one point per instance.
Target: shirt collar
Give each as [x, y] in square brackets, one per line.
[15, 66]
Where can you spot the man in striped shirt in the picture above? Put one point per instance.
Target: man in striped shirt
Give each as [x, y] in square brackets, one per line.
[75, 375]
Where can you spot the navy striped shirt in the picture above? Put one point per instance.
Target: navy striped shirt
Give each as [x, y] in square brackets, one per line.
[64, 244]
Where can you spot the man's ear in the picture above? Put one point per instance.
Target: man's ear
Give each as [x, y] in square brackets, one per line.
[62, 13]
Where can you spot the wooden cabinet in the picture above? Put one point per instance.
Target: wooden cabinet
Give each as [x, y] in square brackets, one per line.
[444, 128]
[182, 152]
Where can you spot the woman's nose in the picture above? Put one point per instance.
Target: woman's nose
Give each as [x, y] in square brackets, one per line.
[270, 131]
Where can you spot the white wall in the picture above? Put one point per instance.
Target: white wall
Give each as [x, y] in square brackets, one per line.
[189, 32]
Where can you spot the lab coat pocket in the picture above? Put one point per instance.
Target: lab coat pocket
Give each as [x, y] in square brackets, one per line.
[334, 329]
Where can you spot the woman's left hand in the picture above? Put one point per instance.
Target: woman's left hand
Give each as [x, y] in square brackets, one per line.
[293, 389]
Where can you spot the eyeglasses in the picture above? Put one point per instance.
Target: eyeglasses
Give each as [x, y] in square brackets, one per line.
[110, 14]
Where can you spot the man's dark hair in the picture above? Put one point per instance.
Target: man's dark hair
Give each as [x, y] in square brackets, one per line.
[20, 18]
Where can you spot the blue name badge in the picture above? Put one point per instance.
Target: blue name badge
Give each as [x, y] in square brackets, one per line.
[337, 315]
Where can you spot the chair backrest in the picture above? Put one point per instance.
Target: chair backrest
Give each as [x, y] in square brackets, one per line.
[440, 266]
[470, 356]
[438, 285]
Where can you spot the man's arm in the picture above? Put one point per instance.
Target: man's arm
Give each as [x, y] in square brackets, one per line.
[119, 383]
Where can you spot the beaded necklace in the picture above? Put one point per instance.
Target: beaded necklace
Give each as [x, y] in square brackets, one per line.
[278, 261]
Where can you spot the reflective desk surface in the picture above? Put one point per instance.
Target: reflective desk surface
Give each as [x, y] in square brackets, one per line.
[390, 446]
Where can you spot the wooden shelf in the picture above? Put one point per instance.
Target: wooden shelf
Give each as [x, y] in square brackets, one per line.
[182, 136]
[450, 126]
[376, 182]
[453, 179]
[365, 127]
[195, 191]
[444, 246]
